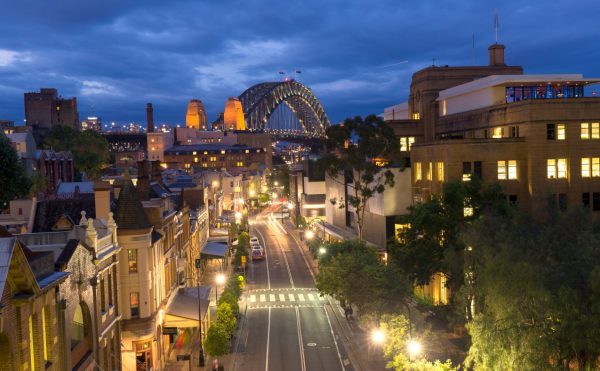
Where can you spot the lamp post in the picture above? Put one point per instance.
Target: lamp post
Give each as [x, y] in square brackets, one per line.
[414, 348]
[201, 349]
[220, 280]
[309, 234]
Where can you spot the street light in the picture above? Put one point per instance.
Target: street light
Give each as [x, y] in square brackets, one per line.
[322, 250]
[238, 217]
[414, 348]
[252, 193]
[276, 183]
[309, 234]
[378, 336]
[219, 280]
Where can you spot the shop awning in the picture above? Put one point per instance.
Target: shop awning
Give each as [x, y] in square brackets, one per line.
[183, 309]
[214, 250]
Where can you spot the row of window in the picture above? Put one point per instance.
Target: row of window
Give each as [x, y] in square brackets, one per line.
[589, 200]
[439, 167]
[559, 132]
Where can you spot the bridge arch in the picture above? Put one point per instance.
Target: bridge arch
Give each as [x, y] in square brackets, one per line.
[261, 101]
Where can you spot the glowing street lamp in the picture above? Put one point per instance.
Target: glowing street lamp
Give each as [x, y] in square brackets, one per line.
[215, 184]
[322, 250]
[219, 280]
[377, 336]
[276, 183]
[309, 234]
[414, 348]
[274, 195]
[238, 217]
[290, 205]
[252, 193]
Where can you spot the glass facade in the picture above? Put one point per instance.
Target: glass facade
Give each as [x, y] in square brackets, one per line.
[519, 93]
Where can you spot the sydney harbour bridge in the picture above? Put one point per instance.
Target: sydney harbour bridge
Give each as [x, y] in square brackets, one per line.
[286, 108]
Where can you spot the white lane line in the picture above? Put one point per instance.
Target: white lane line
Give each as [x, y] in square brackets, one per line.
[271, 297]
[303, 256]
[287, 265]
[281, 297]
[253, 298]
[334, 340]
[266, 256]
[292, 297]
[268, 338]
[300, 297]
[262, 298]
[300, 342]
[311, 297]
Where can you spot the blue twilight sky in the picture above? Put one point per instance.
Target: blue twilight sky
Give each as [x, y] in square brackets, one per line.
[356, 55]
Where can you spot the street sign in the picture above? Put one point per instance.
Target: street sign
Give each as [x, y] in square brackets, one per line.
[197, 263]
[243, 259]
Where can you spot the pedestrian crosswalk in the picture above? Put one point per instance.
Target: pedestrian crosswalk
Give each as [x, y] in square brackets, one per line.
[284, 298]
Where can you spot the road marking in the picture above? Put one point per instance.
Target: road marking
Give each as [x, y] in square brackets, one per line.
[253, 298]
[311, 297]
[266, 256]
[281, 297]
[300, 342]
[262, 298]
[268, 338]
[292, 298]
[303, 256]
[271, 297]
[301, 297]
[334, 339]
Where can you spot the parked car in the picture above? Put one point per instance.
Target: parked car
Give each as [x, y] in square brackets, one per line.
[253, 239]
[257, 255]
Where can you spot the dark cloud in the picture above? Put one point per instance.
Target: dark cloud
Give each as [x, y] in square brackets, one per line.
[357, 56]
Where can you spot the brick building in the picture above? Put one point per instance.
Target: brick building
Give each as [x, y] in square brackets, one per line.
[214, 156]
[55, 166]
[46, 109]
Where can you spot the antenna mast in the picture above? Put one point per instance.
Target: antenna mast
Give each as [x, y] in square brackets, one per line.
[496, 24]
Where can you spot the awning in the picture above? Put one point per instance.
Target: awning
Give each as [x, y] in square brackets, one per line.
[214, 249]
[183, 309]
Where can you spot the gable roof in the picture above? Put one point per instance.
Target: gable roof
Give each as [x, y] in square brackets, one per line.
[129, 213]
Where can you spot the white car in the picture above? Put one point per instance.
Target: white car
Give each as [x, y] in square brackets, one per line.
[257, 247]
[253, 240]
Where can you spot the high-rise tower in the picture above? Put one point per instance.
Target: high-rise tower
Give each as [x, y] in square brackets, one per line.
[196, 115]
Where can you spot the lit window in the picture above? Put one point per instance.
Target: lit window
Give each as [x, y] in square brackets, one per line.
[223, 152]
[467, 211]
[416, 116]
[418, 171]
[429, 171]
[239, 164]
[585, 167]
[134, 304]
[595, 130]
[194, 153]
[406, 143]
[497, 133]
[502, 170]
[585, 131]
[557, 168]
[188, 165]
[596, 167]
[205, 152]
[247, 151]
[444, 108]
[399, 230]
[512, 169]
[507, 169]
[561, 133]
[213, 158]
[132, 260]
[440, 171]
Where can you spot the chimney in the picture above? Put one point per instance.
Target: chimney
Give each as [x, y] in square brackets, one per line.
[496, 55]
[102, 200]
[156, 173]
[150, 117]
[143, 181]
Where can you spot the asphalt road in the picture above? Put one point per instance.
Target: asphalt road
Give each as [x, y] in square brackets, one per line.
[287, 325]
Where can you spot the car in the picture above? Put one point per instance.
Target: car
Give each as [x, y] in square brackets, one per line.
[253, 239]
[257, 255]
[257, 247]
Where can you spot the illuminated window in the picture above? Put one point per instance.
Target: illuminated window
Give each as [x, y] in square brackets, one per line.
[596, 167]
[32, 343]
[418, 171]
[239, 164]
[561, 133]
[213, 158]
[205, 152]
[440, 171]
[204, 165]
[132, 260]
[466, 173]
[429, 171]
[247, 151]
[195, 159]
[585, 167]
[223, 152]
[497, 133]
[595, 130]
[194, 153]
[188, 165]
[467, 211]
[502, 170]
[399, 230]
[507, 170]
[512, 169]
[415, 116]
[590, 167]
[134, 304]
[585, 131]
[557, 168]
[444, 110]
[406, 143]
[45, 321]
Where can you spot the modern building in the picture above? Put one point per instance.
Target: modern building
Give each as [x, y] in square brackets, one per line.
[196, 115]
[47, 109]
[214, 156]
[307, 191]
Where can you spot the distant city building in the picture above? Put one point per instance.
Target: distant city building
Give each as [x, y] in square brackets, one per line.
[233, 116]
[158, 142]
[214, 156]
[47, 109]
[196, 115]
[92, 123]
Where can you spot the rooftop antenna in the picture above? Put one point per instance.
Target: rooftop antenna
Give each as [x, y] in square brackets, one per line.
[496, 24]
[473, 50]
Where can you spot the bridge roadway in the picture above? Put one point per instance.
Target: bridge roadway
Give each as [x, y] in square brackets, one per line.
[288, 326]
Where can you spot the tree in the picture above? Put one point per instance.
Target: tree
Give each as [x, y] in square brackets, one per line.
[398, 334]
[216, 343]
[14, 183]
[226, 317]
[354, 149]
[535, 292]
[229, 297]
[39, 184]
[243, 248]
[354, 273]
[89, 148]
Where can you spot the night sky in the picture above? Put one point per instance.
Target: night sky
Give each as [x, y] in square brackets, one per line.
[357, 56]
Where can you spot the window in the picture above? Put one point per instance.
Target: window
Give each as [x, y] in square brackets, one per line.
[430, 171]
[585, 200]
[590, 131]
[585, 131]
[477, 169]
[561, 133]
[502, 170]
[239, 164]
[507, 169]
[399, 231]
[195, 159]
[418, 171]
[102, 295]
[596, 201]
[512, 199]
[467, 211]
[562, 201]
[466, 173]
[440, 171]
[406, 143]
[415, 116]
[514, 131]
[497, 133]
[550, 132]
[590, 167]
[132, 260]
[557, 168]
[213, 158]
[595, 130]
[134, 304]
[585, 167]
